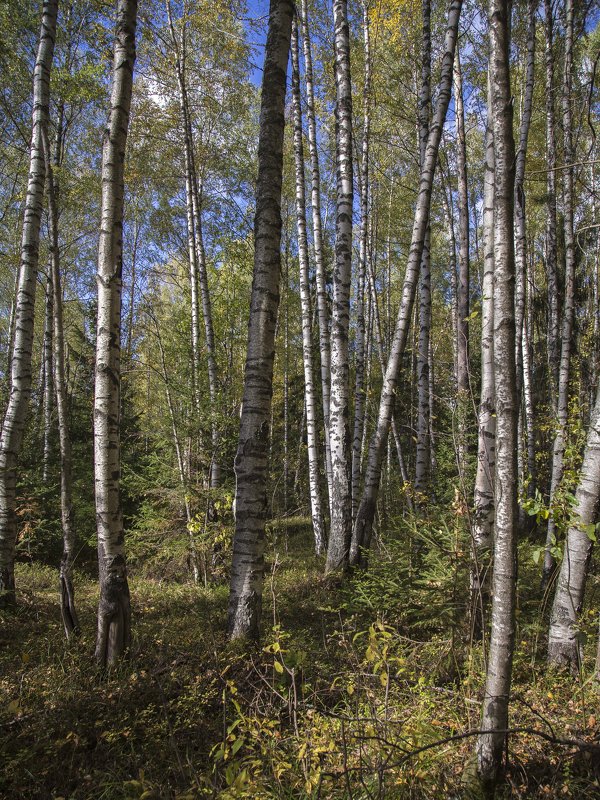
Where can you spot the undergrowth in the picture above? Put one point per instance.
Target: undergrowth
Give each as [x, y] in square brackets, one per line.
[364, 688]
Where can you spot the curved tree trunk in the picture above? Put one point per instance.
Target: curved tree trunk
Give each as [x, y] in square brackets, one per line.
[20, 379]
[490, 745]
[251, 462]
[307, 358]
[564, 645]
[377, 447]
[114, 613]
[338, 549]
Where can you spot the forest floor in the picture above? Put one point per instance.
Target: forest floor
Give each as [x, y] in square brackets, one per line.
[350, 685]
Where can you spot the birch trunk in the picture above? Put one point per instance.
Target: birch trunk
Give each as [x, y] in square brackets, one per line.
[48, 375]
[490, 745]
[114, 613]
[483, 517]
[360, 339]
[423, 459]
[462, 321]
[551, 239]
[339, 435]
[366, 511]
[562, 404]
[67, 594]
[251, 462]
[20, 378]
[307, 357]
[322, 307]
[564, 644]
[521, 229]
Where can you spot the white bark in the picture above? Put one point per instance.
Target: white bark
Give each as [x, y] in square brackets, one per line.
[339, 435]
[114, 614]
[366, 511]
[564, 645]
[307, 357]
[20, 378]
[562, 404]
[251, 462]
[490, 746]
[322, 307]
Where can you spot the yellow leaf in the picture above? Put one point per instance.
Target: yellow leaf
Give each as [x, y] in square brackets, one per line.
[14, 706]
[278, 667]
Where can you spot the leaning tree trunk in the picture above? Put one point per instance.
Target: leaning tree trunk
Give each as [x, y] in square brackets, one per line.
[20, 379]
[483, 516]
[423, 457]
[462, 304]
[307, 357]
[562, 404]
[494, 723]
[251, 462]
[377, 447]
[67, 594]
[114, 614]
[564, 644]
[340, 533]
[322, 306]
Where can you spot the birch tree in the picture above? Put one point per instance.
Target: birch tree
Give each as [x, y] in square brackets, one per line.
[564, 642]
[366, 511]
[494, 723]
[20, 371]
[251, 462]
[568, 311]
[339, 435]
[315, 198]
[114, 613]
[307, 358]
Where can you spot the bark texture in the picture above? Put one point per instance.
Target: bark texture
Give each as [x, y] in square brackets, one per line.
[377, 446]
[338, 548]
[490, 746]
[564, 645]
[20, 369]
[307, 358]
[251, 462]
[114, 613]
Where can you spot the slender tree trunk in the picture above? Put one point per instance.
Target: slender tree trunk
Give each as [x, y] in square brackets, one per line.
[67, 594]
[564, 644]
[521, 231]
[562, 405]
[483, 517]
[307, 357]
[366, 511]
[322, 307]
[48, 376]
[20, 385]
[490, 746]
[551, 243]
[341, 502]
[114, 613]
[462, 322]
[423, 459]
[360, 340]
[251, 462]
[178, 453]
